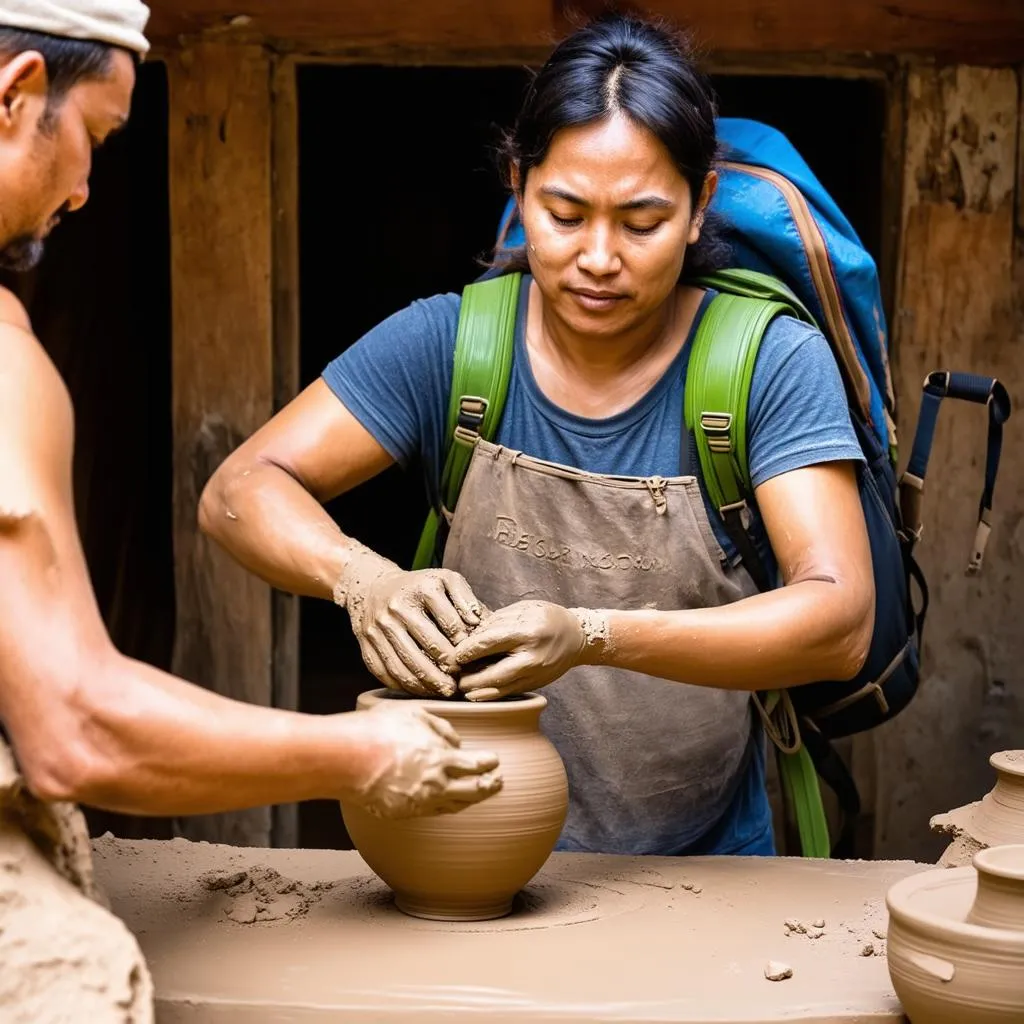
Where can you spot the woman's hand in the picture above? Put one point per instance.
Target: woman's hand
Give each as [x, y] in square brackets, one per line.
[535, 643]
[407, 623]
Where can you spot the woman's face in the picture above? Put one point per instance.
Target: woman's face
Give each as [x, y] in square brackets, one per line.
[608, 218]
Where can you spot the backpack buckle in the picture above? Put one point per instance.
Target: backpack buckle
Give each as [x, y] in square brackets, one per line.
[981, 537]
[471, 413]
[717, 427]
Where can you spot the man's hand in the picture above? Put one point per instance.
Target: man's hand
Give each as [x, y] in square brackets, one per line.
[414, 765]
[407, 623]
[540, 642]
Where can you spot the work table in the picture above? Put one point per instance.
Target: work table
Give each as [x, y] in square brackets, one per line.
[237, 935]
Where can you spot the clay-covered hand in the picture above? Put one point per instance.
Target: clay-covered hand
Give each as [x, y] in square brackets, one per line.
[411, 765]
[407, 623]
[535, 642]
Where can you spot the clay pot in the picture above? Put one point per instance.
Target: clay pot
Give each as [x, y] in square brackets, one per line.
[469, 866]
[999, 901]
[956, 941]
[998, 818]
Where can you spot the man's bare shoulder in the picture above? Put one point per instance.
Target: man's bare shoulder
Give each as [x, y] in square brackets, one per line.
[25, 365]
[12, 311]
[36, 415]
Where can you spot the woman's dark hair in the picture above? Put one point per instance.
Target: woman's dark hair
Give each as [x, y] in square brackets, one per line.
[68, 62]
[622, 63]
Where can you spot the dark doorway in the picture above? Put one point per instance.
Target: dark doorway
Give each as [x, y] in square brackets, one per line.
[837, 125]
[399, 195]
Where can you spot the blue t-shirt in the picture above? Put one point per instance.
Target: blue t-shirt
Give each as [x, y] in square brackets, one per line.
[396, 381]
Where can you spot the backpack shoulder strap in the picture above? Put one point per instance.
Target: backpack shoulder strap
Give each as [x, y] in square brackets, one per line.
[483, 361]
[717, 393]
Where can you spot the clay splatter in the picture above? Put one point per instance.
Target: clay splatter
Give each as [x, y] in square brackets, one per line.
[260, 894]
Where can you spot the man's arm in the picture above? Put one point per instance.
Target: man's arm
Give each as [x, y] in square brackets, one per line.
[90, 725]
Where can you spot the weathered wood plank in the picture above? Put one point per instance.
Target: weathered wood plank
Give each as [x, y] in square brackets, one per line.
[958, 308]
[285, 207]
[444, 25]
[976, 30]
[222, 367]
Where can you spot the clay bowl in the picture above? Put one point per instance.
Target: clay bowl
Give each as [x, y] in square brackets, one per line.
[956, 941]
[469, 866]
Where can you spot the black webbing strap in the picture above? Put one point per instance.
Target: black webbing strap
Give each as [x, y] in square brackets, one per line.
[732, 519]
[967, 387]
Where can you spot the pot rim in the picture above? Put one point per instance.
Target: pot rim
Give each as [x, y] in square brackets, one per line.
[1005, 862]
[944, 928]
[446, 707]
[1009, 762]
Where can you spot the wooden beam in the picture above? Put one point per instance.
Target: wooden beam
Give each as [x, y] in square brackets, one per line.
[893, 152]
[958, 307]
[285, 206]
[222, 367]
[977, 30]
[981, 31]
[443, 26]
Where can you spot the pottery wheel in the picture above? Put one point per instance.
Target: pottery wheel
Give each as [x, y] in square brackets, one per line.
[554, 903]
[236, 935]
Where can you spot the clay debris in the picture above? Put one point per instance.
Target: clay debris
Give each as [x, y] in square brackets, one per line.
[960, 853]
[262, 894]
[870, 932]
[775, 971]
[814, 930]
[865, 937]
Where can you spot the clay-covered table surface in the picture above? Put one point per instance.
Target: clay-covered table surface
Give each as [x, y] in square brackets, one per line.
[237, 935]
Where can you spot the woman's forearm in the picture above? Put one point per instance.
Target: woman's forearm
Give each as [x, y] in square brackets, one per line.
[797, 634]
[273, 526]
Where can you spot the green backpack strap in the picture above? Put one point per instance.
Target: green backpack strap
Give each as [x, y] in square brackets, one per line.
[483, 361]
[718, 380]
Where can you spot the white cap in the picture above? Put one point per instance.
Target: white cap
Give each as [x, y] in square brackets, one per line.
[116, 22]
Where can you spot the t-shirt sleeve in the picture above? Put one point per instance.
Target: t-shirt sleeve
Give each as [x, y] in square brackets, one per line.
[397, 377]
[798, 408]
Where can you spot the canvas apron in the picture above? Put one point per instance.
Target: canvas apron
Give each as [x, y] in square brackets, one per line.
[652, 764]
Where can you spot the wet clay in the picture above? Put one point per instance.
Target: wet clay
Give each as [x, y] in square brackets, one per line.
[388, 608]
[415, 764]
[263, 894]
[470, 865]
[956, 941]
[65, 958]
[591, 937]
[594, 625]
[996, 819]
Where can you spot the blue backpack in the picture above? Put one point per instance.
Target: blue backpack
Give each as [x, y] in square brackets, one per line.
[793, 253]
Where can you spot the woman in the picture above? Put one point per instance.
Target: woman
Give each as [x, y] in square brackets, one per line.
[648, 669]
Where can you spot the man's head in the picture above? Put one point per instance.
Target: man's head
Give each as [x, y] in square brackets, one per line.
[63, 91]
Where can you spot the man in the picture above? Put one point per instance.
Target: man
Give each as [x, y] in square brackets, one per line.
[86, 724]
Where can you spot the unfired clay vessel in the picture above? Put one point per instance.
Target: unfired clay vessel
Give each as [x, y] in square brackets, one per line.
[470, 865]
[956, 941]
[996, 819]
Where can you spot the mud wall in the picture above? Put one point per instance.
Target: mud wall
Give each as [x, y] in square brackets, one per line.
[960, 306]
